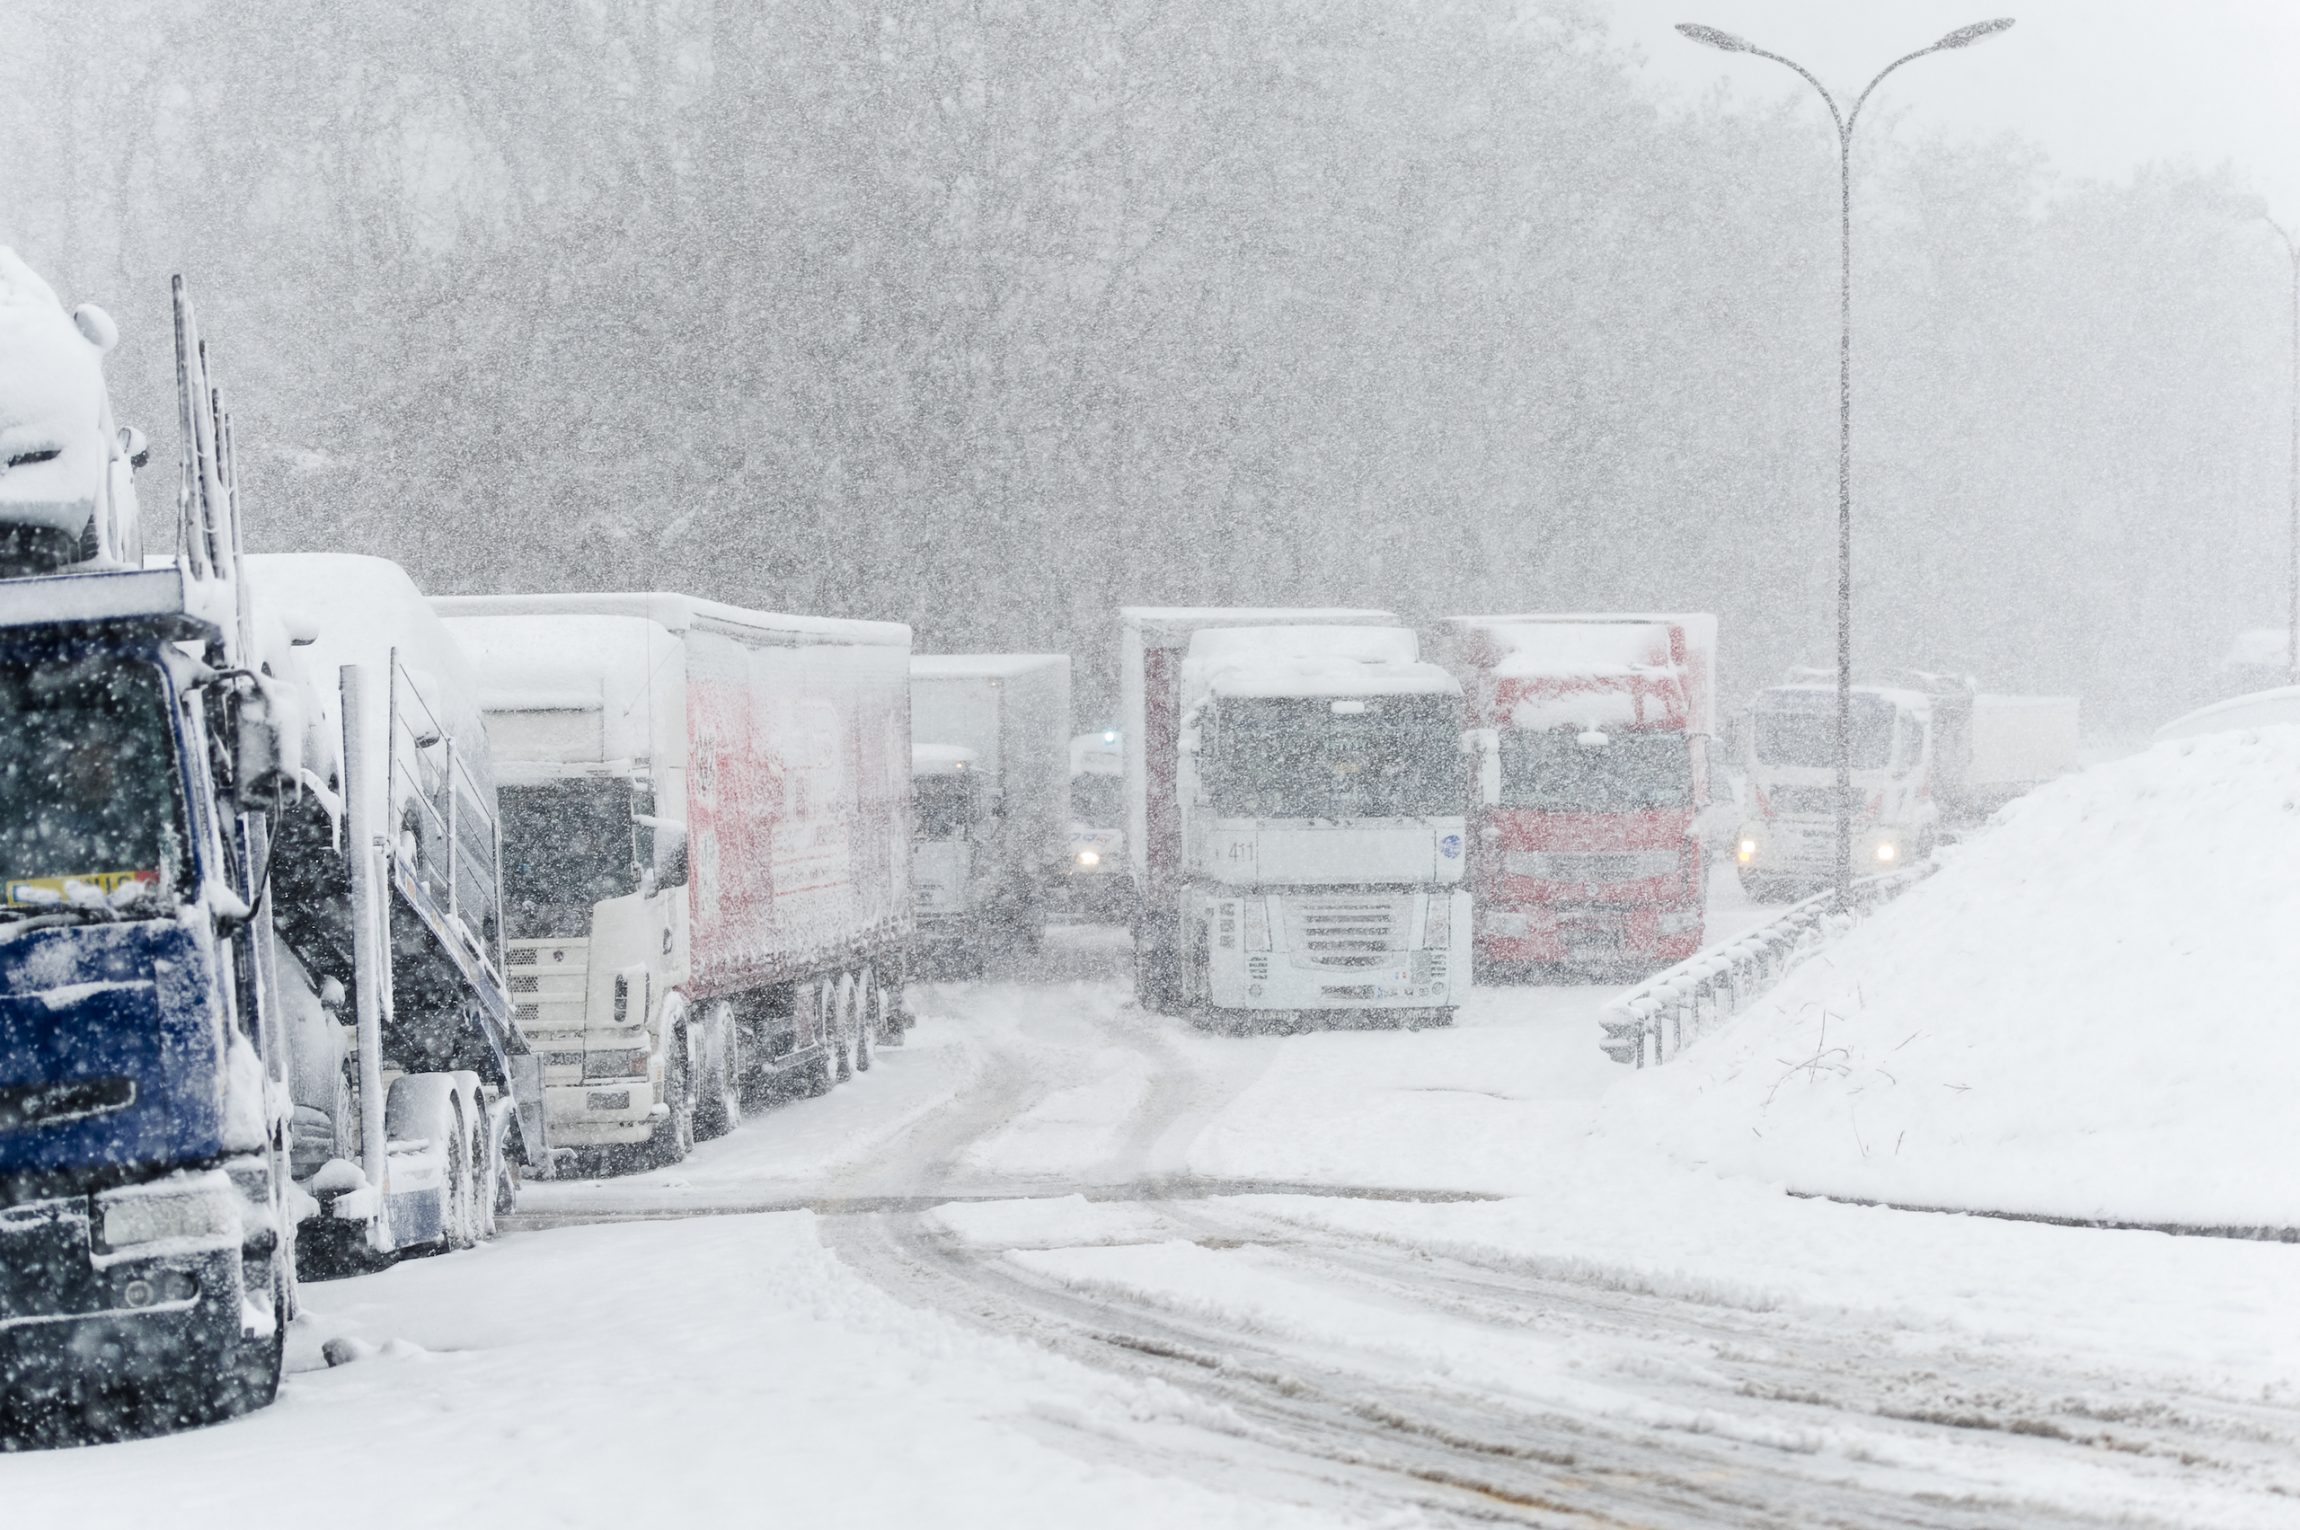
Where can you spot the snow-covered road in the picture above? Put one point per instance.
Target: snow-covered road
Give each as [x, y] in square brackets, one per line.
[1057, 1260]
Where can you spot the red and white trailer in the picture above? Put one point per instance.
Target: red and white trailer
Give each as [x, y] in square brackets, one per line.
[1592, 740]
[706, 827]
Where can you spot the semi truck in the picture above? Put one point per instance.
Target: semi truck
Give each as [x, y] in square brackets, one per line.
[195, 823]
[1096, 884]
[707, 849]
[1591, 738]
[1929, 753]
[990, 740]
[1295, 817]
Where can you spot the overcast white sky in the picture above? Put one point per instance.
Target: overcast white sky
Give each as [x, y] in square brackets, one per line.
[2104, 85]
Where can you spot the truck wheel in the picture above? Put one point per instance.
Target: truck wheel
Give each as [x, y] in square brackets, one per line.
[425, 1105]
[864, 1002]
[674, 1136]
[883, 1014]
[721, 1107]
[462, 1194]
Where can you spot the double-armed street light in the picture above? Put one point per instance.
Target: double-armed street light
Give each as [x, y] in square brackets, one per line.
[1726, 42]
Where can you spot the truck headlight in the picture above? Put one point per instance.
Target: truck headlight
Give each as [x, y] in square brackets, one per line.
[1745, 850]
[155, 1214]
[1089, 859]
[1888, 852]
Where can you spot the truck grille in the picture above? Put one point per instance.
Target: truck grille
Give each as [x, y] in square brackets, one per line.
[1592, 867]
[548, 978]
[1348, 931]
[1802, 799]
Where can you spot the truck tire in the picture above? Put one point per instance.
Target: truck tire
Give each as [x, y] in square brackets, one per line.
[426, 1105]
[673, 1137]
[884, 1013]
[719, 1108]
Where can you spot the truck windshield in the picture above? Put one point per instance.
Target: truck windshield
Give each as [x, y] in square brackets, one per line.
[1799, 730]
[88, 788]
[1289, 757]
[1553, 770]
[1099, 801]
[566, 846]
[945, 806]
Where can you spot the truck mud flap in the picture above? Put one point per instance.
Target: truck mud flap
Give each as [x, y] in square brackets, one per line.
[526, 1073]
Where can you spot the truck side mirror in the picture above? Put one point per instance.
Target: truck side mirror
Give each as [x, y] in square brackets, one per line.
[667, 848]
[134, 447]
[260, 770]
[1483, 745]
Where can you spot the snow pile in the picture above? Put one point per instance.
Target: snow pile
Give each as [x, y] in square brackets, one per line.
[2087, 1013]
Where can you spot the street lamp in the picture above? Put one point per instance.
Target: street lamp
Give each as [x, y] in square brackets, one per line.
[2292, 642]
[1726, 42]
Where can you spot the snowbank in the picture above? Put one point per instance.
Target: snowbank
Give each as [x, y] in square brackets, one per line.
[2087, 1013]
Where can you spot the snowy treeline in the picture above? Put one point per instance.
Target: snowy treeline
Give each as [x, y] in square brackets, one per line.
[990, 317]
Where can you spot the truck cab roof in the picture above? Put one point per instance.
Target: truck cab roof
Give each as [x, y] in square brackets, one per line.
[943, 760]
[1335, 661]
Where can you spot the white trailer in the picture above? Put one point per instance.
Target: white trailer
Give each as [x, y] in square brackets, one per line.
[990, 738]
[707, 851]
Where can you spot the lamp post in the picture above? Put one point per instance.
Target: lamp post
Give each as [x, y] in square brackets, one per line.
[1726, 42]
[2292, 563]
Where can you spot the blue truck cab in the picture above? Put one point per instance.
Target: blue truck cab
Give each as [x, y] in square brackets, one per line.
[144, 1239]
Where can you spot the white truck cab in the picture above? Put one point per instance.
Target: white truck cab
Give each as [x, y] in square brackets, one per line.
[1322, 797]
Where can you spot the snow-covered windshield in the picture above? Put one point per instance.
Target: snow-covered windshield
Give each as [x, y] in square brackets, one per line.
[1554, 770]
[944, 806]
[1098, 800]
[1298, 757]
[566, 846]
[1800, 730]
[88, 788]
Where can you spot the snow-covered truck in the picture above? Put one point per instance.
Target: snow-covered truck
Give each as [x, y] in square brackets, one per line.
[990, 763]
[1929, 752]
[169, 760]
[1592, 737]
[416, 1103]
[1296, 797]
[706, 828]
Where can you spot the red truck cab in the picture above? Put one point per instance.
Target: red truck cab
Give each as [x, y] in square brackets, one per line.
[1592, 737]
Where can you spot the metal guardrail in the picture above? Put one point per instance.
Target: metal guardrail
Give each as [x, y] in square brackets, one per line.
[1668, 1012]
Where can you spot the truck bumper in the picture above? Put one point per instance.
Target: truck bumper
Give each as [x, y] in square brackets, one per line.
[1805, 849]
[1425, 965]
[602, 1112]
[1551, 934]
[73, 1316]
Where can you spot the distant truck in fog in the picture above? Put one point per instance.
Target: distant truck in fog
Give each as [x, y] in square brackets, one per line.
[1928, 754]
[1295, 816]
[1096, 882]
[1592, 736]
[990, 767]
[706, 847]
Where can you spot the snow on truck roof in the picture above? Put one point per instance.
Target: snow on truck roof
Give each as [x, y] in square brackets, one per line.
[983, 666]
[563, 663]
[1533, 649]
[1173, 626]
[1805, 698]
[683, 613]
[942, 759]
[1310, 661]
[52, 400]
